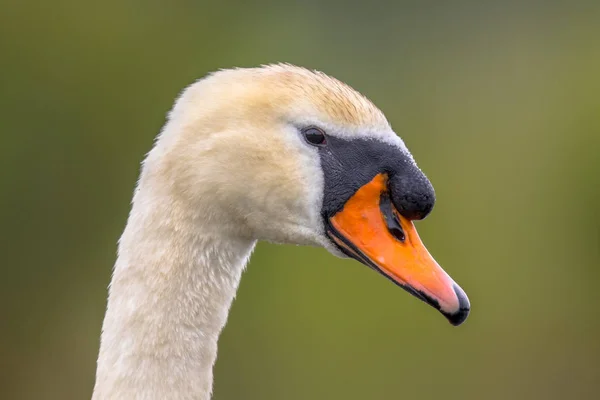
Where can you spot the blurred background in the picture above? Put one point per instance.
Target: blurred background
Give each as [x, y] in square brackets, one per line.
[498, 101]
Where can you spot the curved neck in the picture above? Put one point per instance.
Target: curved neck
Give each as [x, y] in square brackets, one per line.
[169, 297]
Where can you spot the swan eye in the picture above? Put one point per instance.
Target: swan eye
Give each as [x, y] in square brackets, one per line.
[314, 136]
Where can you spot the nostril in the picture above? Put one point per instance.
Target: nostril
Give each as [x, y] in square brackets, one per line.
[390, 217]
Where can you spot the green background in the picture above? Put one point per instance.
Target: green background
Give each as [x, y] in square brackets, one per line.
[499, 102]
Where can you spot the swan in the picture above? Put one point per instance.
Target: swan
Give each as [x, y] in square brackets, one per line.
[277, 153]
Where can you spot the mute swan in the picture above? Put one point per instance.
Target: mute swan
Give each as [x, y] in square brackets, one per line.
[277, 153]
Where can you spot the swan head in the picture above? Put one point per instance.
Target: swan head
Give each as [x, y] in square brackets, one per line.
[288, 155]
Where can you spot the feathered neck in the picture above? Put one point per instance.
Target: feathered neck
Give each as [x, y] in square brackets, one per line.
[171, 290]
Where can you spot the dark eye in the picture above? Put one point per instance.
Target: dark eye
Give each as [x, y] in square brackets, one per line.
[314, 136]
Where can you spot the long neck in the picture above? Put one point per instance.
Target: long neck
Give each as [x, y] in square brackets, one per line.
[172, 286]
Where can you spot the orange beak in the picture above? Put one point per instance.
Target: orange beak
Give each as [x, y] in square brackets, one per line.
[372, 231]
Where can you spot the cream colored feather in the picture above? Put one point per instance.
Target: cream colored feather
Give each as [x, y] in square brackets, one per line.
[228, 169]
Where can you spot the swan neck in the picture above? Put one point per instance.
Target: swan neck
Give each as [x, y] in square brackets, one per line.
[172, 287]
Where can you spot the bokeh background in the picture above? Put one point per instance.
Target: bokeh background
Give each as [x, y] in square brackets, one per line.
[499, 102]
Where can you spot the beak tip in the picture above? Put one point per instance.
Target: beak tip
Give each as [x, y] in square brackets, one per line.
[464, 307]
[458, 317]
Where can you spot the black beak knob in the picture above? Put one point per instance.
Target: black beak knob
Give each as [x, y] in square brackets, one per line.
[412, 194]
